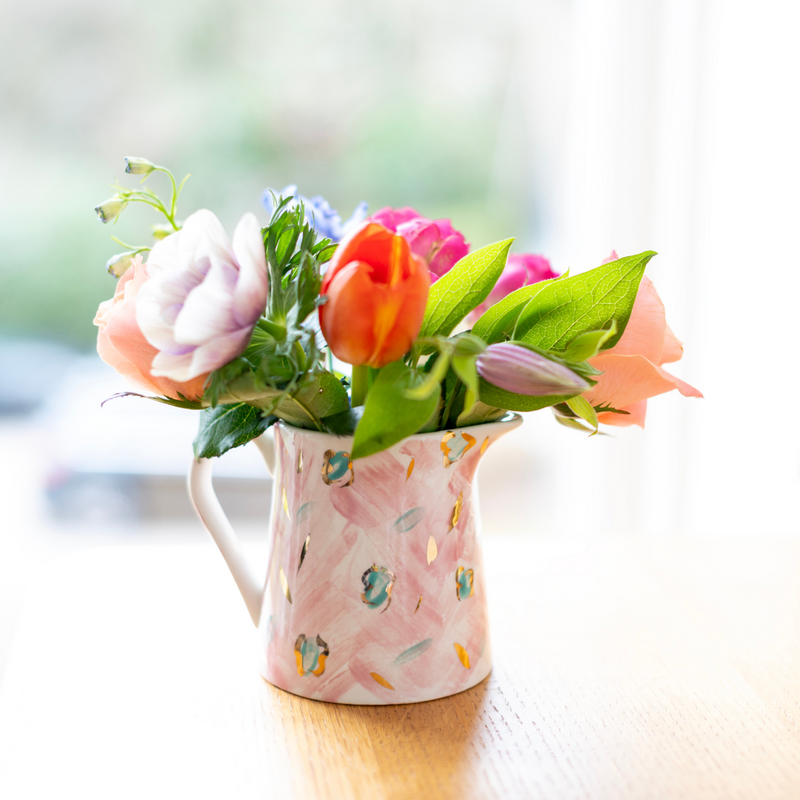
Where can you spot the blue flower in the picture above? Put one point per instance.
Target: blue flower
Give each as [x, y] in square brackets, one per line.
[319, 214]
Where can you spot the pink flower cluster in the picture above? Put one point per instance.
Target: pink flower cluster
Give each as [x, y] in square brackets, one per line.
[436, 242]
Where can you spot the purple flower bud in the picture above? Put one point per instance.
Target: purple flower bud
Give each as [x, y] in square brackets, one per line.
[522, 371]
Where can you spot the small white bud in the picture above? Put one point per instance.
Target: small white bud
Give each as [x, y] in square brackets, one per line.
[119, 264]
[138, 166]
[162, 231]
[111, 209]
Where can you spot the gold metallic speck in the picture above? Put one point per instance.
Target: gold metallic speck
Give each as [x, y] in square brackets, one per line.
[462, 655]
[456, 511]
[286, 503]
[410, 469]
[381, 680]
[484, 445]
[285, 585]
[304, 551]
[419, 603]
[300, 461]
[445, 448]
[433, 550]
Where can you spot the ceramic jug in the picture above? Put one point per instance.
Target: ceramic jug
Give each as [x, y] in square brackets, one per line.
[375, 591]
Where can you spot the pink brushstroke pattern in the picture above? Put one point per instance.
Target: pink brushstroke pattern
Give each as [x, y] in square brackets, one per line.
[351, 528]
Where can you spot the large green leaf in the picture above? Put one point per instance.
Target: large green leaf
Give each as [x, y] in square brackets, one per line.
[463, 288]
[319, 398]
[225, 427]
[564, 309]
[498, 321]
[389, 415]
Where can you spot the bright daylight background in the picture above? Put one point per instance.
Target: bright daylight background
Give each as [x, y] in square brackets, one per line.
[578, 126]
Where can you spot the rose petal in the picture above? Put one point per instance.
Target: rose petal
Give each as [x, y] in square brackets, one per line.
[628, 379]
[644, 334]
[635, 416]
[673, 347]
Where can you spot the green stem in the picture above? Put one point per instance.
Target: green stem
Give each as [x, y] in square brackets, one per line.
[171, 215]
[449, 406]
[301, 356]
[275, 330]
[359, 383]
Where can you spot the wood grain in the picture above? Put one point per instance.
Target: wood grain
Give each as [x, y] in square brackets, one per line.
[622, 670]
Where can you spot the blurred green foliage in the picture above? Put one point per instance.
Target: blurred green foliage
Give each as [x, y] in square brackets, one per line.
[396, 104]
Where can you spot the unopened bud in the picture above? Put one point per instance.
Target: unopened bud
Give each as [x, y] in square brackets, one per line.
[138, 166]
[519, 370]
[162, 231]
[111, 209]
[119, 264]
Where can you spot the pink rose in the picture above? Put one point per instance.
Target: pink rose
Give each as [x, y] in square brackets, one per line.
[632, 368]
[121, 343]
[436, 242]
[204, 297]
[522, 269]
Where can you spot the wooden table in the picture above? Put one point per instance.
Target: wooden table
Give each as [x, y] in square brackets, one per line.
[622, 670]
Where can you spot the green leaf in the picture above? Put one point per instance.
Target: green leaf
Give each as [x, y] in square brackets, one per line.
[582, 408]
[432, 381]
[344, 423]
[498, 321]
[501, 398]
[318, 398]
[464, 367]
[479, 413]
[389, 415]
[463, 288]
[564, 309]
[167, 401]
[571, 422]
[589, 344]
[225, 427]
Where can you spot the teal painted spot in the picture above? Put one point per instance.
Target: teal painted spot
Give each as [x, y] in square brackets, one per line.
[304, 512]
[405, 522]
[412, 652]
[338, 465]
[464, 583]
[378, 583]
[456, 445]
[309, 652]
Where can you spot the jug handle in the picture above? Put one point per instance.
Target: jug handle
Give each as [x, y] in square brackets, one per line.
[215, 521]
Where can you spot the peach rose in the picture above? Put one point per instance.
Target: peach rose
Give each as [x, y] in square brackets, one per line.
[122, 345]
[632, 368]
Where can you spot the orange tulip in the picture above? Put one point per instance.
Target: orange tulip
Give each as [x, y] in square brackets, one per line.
[377, 290]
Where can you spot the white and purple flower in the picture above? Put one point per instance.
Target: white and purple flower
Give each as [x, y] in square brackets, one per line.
[204, 295]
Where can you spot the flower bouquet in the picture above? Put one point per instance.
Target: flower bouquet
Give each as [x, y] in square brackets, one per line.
[373, 361]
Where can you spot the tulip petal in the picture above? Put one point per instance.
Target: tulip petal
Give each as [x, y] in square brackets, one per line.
[346, 318]
[628, 379]
[250, 296]
[371, 243]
